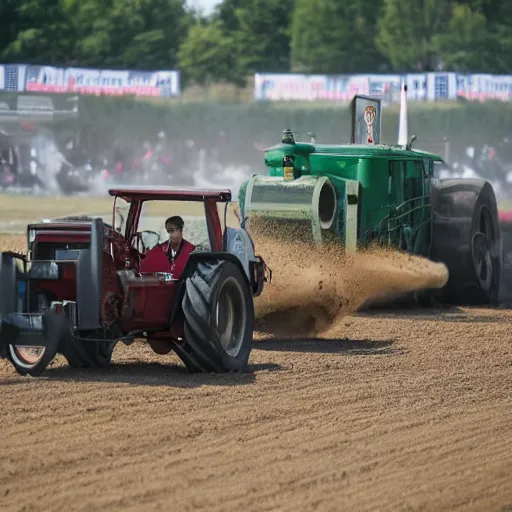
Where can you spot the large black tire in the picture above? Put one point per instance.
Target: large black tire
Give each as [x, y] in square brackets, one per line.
[88, 354]
[34, 364]
[466, 238]
[78, 354]
[34, 360]
[219, 319]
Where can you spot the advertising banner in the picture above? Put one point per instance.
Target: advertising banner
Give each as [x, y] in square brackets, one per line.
[12, 77]
[101, 81]
[420, 87]
[267, 87]
[275, 87]
[344, 87]
[483, 87]
[44, 79]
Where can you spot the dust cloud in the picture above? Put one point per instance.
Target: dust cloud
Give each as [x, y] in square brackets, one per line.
[314, 287]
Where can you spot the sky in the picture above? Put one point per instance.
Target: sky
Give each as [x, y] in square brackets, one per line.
[206, 5]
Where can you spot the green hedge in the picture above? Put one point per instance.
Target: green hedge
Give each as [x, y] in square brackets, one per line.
[103, 120]
[462, 124]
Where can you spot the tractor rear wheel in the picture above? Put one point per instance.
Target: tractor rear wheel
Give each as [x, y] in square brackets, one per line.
[219, 319]
[466, 238]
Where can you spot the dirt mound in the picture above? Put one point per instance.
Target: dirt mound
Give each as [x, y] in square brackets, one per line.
[314, 287]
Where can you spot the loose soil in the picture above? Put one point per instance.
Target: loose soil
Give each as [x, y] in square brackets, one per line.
[388, 410]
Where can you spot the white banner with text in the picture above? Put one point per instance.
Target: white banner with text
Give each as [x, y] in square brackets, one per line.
[49, 79]
[420, 87]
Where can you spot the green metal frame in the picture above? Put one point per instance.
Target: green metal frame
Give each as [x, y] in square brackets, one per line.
[389, 185]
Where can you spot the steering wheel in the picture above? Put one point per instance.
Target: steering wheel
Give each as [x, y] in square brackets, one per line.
[137, 243]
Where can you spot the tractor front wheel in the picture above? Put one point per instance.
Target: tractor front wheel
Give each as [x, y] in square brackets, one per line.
[219, 319]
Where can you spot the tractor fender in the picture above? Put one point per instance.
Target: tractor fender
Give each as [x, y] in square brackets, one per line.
[194, 259]
[238, 242]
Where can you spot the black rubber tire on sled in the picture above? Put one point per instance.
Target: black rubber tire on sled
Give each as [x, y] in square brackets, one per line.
[88, 354]
[81, 354]
[25, 362]
[219, 319]
[466, 238]
[54, 329]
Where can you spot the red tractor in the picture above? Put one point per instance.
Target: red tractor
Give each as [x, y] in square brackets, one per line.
[83, 286]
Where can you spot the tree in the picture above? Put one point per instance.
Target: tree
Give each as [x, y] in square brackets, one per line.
[407, 30]
[226, 14]
[44, 33]
[114, 33]
[10, 19]
[205, 56]
[503, 31]
[92, 31]
[250, 35]
[466, 44]
[329, 36]
[247, 36]
[498, 40]
[136, 33]
[263, 35]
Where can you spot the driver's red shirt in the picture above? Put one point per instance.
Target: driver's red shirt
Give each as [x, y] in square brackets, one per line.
[159, 260]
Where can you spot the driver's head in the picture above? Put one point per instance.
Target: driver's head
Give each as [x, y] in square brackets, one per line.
[174, 226]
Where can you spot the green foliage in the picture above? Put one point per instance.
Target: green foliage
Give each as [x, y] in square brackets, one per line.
[262, 36]
[407, 31]
[245, 36]
[116, 33]
[42, 32]
[464, 36]
[330, 36]
[465, 44]
[205, 56]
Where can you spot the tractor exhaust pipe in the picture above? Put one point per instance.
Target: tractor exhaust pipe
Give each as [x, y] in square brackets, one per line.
[403, 131]
[326, 204]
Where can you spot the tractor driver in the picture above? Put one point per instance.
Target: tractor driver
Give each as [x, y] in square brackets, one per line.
[172, 255]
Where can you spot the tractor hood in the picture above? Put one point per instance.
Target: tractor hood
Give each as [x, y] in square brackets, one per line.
[66, 230]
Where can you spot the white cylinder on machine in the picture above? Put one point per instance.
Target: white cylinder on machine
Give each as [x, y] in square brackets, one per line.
[308, 198]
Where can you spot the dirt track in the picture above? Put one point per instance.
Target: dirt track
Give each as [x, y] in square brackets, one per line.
[394, 412]
[389, 411]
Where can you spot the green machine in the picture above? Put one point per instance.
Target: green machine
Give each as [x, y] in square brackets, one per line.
[368, 192]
